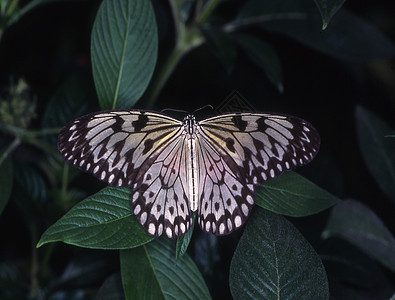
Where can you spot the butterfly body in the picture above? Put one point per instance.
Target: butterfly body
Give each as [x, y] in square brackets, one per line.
[178, 167]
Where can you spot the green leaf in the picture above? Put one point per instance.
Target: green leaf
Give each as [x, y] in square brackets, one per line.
[264, 56]
[349, 37]
[183, 241]
[274, 261]
[152, 272]
[6, 182]
[351, 273]
[293, 195]
[222, 46]
[31, 185]
[378, 151]
[328, 8]
[102, 221]
[357, 224]
[124, 51]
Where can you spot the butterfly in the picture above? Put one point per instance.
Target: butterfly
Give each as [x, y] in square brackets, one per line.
[178, 168]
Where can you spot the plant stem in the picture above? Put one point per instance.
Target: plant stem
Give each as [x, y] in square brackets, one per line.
[164, 75]
[30, 137]
[185, 43]
[207, 10]
[9, 149]
[11, 7]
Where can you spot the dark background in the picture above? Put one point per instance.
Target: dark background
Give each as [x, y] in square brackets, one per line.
[52, 43]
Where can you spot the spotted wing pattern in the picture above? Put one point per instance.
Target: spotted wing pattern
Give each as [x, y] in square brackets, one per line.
[240, 150]
[151, 153]
[136, 149]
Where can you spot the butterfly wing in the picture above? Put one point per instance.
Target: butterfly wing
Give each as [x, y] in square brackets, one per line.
[225, 196]
[159, 197]
[143, 150]
[262, 145]
[255, 147]
[115, 146]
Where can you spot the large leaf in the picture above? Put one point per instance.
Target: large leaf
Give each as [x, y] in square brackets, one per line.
[6, 182]
[103, 221]
[222, 46]
[124, 51]
[274, 261]
[357, 224]
[378, 151]
[352, 274]
[348, 36]
[264, 56]
[152, 272]
[292, 195]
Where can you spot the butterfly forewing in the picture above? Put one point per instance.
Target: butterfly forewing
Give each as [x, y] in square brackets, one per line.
[115, 145]
[174, 167]
[262, 145]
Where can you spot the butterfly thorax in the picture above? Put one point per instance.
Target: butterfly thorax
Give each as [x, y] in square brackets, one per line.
[192, 173]
[190, 125]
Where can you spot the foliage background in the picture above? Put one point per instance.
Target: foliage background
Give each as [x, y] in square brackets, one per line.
[49, 47]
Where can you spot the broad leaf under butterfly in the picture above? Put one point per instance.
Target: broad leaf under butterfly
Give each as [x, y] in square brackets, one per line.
[176, 168]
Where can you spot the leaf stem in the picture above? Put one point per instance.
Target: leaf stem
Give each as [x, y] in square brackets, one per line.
[185, 43]
[9, 149]
[207, 10]
[164, 75]
[30, 137]
[11, 7]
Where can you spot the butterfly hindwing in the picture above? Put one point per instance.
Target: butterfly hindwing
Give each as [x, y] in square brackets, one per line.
[225, 197]
[159, 196]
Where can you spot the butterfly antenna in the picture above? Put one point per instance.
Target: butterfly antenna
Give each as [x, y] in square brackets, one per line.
[203, 107]
[174, 110]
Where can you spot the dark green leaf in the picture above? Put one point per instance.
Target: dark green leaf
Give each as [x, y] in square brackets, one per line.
[183, 241]
[274, 261]
[67, 103]
[102, 221]
[357, 224]
[6, 182]
[348, 37]
[378, 151]
[293, 195]
[83, 270]
[222, 46]
[351, 273]
[31, 186]
[111, 289]
[152, 272]
[124, 51]
[328, 8]
[264, 56]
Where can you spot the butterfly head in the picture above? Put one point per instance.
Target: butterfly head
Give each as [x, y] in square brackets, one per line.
[190, 124]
